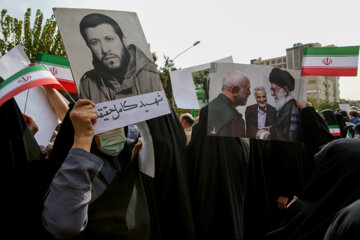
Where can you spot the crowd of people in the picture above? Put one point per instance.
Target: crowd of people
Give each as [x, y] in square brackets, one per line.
[210, 182]
[214, 187]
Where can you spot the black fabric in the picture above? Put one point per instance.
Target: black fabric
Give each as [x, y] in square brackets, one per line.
[24, 176]
[110, 214]
[346, 224]
[121, 211]
[280, 168]
[315, 131]
[341, 121]
[287, 125]
[332, 186]
[168, 193]
[217, 168]
[329, 116]
[276, 168]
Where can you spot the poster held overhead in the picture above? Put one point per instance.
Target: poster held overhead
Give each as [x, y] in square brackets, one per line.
[108, 55]
[256, 102]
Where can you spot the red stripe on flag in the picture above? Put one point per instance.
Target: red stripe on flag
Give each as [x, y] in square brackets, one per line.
[336, 134]
[50, 82]
[335, 72]
[67, 84]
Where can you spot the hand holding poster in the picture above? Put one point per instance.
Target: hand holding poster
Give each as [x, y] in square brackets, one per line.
[109, 56]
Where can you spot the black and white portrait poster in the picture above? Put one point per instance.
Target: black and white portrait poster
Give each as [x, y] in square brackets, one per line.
[110, 60]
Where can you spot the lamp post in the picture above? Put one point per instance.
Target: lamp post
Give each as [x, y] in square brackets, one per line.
[195, 43]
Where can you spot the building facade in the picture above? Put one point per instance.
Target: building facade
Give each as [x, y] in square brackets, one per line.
[320, 88]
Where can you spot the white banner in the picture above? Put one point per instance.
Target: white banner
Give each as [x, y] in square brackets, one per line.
[122, 112]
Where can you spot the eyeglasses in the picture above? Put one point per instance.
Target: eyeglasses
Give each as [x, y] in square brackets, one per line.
[274, 89]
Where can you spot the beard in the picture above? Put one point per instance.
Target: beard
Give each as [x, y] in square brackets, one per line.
[262, 105]
[280, 99]
[121, 63]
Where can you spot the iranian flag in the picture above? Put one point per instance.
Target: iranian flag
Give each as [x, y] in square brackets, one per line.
[330, 61]
[335, 130]
[59, 67]
[33, 76]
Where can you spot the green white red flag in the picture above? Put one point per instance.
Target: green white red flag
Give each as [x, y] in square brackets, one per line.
[33, 76]
[330, 61]
[335, 130]
[59, 67]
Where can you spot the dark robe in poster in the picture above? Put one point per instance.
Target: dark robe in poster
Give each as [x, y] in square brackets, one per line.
[217, 168]
[167, 194]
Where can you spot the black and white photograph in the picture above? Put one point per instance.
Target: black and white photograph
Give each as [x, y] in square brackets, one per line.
[108, 53]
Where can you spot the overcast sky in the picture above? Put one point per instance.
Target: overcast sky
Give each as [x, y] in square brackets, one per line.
[245, 29]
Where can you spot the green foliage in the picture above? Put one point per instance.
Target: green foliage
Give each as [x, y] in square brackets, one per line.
[41, 37]
[328, 105]
[313, 102]
[164, 72]
[322, 105]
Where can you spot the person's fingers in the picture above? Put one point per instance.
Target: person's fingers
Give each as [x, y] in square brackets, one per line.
[136, 149]
[82, 102]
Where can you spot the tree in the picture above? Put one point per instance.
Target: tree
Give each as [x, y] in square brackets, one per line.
[41, 37]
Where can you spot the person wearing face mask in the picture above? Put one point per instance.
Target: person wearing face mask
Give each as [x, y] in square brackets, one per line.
[97, 192]
[259, 115]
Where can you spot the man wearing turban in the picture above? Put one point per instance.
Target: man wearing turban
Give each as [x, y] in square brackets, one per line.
[287, 123]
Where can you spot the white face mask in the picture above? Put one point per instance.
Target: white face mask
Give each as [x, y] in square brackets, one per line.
[112, 142]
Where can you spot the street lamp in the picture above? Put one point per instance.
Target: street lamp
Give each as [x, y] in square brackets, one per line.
[196, 43]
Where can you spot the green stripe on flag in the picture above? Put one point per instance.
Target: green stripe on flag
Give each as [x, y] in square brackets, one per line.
[52, 59]
[23, 72]
[333, 126]
[331, 51]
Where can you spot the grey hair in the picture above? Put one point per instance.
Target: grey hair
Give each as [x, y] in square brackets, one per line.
[234, 78]
[259, 88]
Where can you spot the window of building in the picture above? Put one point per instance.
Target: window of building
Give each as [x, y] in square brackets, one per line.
[278, 61]
[272, 61]
[267, 63]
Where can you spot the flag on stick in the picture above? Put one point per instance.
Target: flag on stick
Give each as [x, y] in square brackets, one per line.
[59, 67]
[330, 61]
[33, 76]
